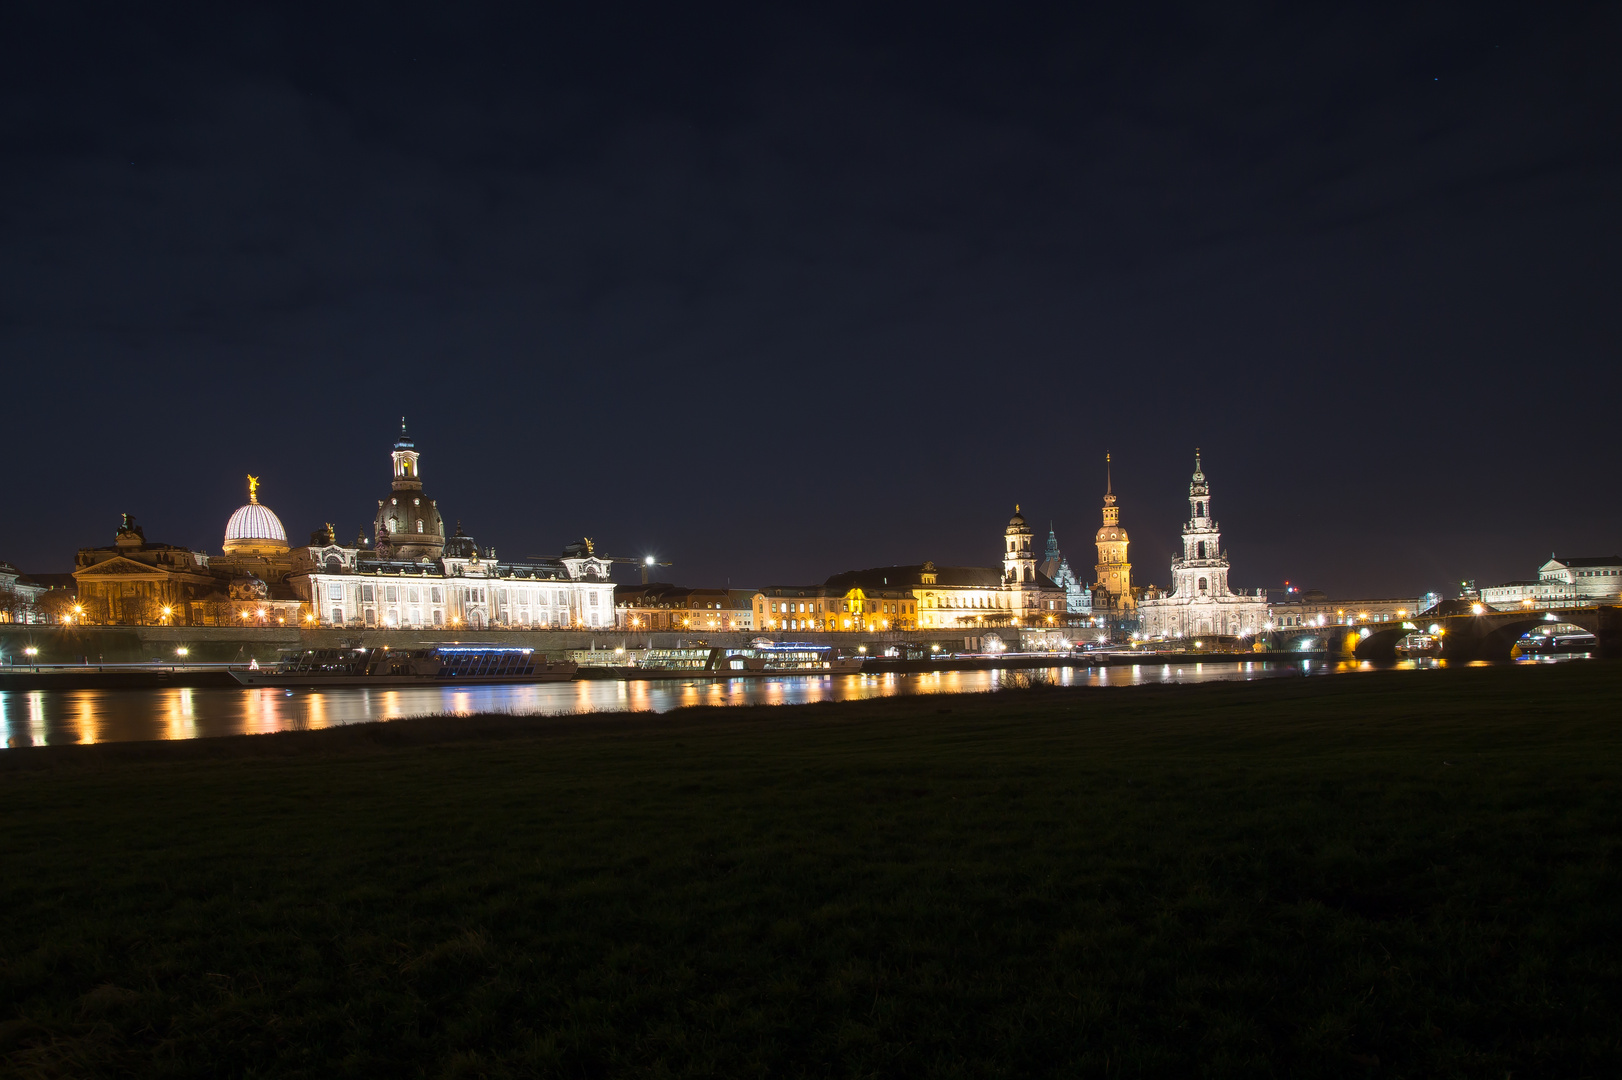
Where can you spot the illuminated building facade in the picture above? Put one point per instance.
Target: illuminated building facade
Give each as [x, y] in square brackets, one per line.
[136, 582]
[1313, 608]
[1591, 580]
[140, 583]
[18, 596]
[670, 607]
[854, 602]
[1201, 604]
[924, 596]
[415, 577]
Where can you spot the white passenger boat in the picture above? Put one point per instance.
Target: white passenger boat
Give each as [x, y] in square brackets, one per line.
[772, 658]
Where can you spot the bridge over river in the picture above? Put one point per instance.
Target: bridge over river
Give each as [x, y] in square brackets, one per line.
[1479, 634]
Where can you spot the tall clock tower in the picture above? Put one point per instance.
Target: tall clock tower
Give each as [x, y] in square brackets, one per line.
[1113, 568]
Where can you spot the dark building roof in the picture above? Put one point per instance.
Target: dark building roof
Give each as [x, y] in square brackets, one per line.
[662, 594]
[1605, 560]
[912, 577]
[55, 581]
[876, 578]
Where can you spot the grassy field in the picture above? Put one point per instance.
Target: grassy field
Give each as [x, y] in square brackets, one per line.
[1406, 874]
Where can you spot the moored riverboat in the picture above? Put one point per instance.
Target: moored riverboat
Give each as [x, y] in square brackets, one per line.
[438, 665]
[776, 658]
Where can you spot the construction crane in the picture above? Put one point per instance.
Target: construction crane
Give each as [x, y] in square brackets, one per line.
[647, 563]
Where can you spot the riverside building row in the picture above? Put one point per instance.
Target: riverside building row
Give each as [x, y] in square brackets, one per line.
[411, 575]
[416, 574]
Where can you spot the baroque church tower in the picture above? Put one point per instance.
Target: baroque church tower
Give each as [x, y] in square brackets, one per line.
[1203, 569]
[1019, 560]
[1113, 569]
[408, 525]
[1201, 603]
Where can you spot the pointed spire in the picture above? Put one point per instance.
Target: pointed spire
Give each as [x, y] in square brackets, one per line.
[1109, 483]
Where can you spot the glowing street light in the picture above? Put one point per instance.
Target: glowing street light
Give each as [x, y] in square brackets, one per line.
[183, 652]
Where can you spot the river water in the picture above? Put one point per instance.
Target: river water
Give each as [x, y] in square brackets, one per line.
[40, 717]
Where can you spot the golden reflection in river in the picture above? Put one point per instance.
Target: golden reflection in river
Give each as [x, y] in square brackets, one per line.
[84, 715]
[264, 712]
[36, 717]
[315, 716]
[40, 717]
[180, 711]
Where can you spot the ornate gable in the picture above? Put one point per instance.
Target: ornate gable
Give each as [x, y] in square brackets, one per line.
[118, 566]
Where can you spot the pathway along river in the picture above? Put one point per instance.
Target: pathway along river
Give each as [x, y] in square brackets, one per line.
[40, 717]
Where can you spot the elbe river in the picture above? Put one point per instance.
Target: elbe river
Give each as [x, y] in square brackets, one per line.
[48, 717]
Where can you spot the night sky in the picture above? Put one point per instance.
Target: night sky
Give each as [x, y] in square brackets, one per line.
[775, 296]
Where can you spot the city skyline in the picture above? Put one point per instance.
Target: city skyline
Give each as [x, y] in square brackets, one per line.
[776, 297]
[1075, 539]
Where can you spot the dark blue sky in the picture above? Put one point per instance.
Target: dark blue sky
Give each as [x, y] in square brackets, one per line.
[777, 295]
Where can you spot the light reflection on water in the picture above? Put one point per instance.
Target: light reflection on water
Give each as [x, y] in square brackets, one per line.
[36, 717]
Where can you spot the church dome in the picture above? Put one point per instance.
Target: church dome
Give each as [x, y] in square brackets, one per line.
[1017, 522]
[1112, 533]
[408, 525]
[254, 528]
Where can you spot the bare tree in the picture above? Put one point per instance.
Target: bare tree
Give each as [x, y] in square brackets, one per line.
[54, 604]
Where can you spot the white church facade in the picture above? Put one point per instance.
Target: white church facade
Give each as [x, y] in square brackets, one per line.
[416, 577]
[1201, 602]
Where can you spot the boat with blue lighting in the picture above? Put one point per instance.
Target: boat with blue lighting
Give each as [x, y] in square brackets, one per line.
[437, 665]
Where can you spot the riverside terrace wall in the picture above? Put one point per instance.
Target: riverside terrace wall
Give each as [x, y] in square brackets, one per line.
[227, 644]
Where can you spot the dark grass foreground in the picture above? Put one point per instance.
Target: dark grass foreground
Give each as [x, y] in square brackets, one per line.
[1413, 874]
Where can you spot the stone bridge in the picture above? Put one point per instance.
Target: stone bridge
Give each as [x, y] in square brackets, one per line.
[1487, 636]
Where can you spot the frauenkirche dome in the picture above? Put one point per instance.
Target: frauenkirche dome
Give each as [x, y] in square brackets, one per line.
[254, 529]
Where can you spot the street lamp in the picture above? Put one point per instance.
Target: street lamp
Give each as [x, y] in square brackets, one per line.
[183, 652]
[33, 656]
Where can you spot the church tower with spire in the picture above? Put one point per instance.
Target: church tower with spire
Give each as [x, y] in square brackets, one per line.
[1203, 569]
[1113, 568]
[408, 525]
[1019, 561]
[1202, 605]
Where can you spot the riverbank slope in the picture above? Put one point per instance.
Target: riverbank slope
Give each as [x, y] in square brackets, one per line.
[1409, 871]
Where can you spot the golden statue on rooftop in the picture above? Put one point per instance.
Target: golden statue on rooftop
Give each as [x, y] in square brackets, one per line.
[253, 489]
